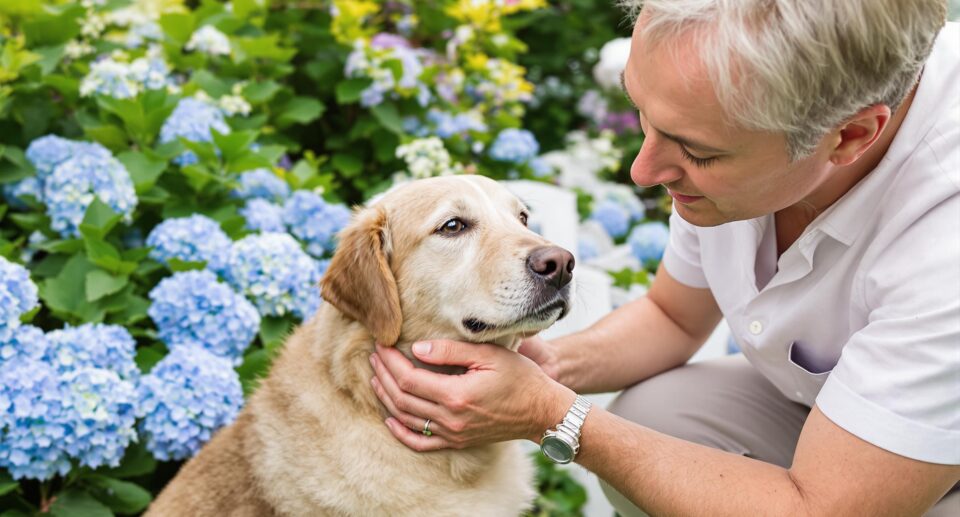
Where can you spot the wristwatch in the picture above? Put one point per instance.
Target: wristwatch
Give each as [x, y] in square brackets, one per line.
[561, 445]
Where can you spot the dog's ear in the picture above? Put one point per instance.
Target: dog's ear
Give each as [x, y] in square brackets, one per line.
[359, 281]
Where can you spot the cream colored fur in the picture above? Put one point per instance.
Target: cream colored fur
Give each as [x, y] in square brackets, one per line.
[311, 440]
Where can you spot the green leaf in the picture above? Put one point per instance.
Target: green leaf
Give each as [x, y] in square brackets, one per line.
[266, 47]
[205, 151]
[234, 144]
[387, 114]
[197, 176]
[255, 366]
[121, 496]
[300, 110]
[137, 461]
[348, 164]
[65, 294]
[349, 90]
[144, 170]
[109, 135]
[77, 503]
[384, 145]
[176, 264]
[100, 284]
[134, 310]
[49, 58]
[61, 246]
[7, 484]
[210, 83]
[57, 25]
[99, 219]
[261, 92]
[14, 165]
[273, 330]
[148, 356]
[178, 26]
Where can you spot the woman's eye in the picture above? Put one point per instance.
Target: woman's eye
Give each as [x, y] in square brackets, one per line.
[523, 218]
[453, 227]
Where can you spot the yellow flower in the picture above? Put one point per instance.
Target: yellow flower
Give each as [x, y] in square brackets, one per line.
[477, 61]
[349, 17]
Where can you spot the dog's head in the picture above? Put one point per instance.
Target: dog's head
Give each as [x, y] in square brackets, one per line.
[448, 257]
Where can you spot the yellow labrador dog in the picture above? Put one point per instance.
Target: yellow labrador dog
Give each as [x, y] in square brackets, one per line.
[443, 257]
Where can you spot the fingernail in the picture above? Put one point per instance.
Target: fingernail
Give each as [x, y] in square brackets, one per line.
[422, 348]
[373, 360]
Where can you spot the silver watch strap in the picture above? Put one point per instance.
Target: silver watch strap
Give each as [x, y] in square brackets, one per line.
[573, 421]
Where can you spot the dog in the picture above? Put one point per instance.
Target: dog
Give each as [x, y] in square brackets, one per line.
[446, 257]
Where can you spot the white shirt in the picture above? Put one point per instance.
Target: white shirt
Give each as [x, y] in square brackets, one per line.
[861, 315]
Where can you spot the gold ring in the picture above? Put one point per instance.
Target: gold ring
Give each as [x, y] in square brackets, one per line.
[426, 428]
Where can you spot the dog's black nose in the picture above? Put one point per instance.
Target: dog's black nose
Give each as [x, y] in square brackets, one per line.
[553, 264]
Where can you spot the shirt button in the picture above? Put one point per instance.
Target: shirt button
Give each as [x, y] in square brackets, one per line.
[799, 394]
[756, 327]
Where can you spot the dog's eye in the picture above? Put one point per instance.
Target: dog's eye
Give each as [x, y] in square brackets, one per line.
[453, 227]
[523, 218]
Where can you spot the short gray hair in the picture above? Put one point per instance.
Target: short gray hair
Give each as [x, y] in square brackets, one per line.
[801, 67]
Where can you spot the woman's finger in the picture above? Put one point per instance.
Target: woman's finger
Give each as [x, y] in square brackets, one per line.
[401, 401]
[419, 382]
[414, 422]
[414, 439]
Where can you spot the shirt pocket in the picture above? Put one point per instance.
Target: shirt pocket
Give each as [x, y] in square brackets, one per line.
[807, 378]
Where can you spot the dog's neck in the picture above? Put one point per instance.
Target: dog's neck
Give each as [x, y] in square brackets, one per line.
[404, 348]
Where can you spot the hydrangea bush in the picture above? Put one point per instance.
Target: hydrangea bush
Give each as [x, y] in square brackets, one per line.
[174, 176]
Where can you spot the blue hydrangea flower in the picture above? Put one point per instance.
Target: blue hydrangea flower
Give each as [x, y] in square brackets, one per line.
[540, 167]
[18, 295]
[263, 184]
[46, 152]
[34, 432]
[193, 120]
[447, 124]
[263, 216]
[272, 270]
[614, 218]
[193, 308]
[587, 249]
[514, 146]
[102, 415]
[29, 186]
[74, 184]
[25, 341]
[110, 78]
[648, 241]
[196, 238]
[314, 221]
[93, 345]
[187, 396]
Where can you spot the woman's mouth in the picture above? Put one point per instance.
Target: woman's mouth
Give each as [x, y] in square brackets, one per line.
[681, 198]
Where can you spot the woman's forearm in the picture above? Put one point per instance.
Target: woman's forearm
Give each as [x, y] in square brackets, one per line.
[632, 343]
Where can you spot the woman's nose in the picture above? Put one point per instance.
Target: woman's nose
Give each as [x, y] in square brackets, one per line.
[653, 164]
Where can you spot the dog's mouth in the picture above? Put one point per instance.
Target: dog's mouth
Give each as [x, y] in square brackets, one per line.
[543, 313]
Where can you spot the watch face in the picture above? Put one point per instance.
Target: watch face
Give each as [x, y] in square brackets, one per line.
[556, 449]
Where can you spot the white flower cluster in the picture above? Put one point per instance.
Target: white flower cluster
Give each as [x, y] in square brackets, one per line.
[427, 157]
[613, 59]
[584, 158]
[115, 78]
[210, 41]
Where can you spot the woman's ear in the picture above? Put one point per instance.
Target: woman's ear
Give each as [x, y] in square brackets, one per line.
[359, 281]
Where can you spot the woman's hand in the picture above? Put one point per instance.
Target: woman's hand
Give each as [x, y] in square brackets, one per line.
[540, 351]
[501, 396]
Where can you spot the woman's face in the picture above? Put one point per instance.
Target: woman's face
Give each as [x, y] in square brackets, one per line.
[715, 172]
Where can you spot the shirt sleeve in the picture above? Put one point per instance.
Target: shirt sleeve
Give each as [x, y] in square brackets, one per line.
[897, 383]
[682, 256]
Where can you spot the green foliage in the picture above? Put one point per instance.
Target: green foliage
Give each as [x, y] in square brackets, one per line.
[559, 494]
